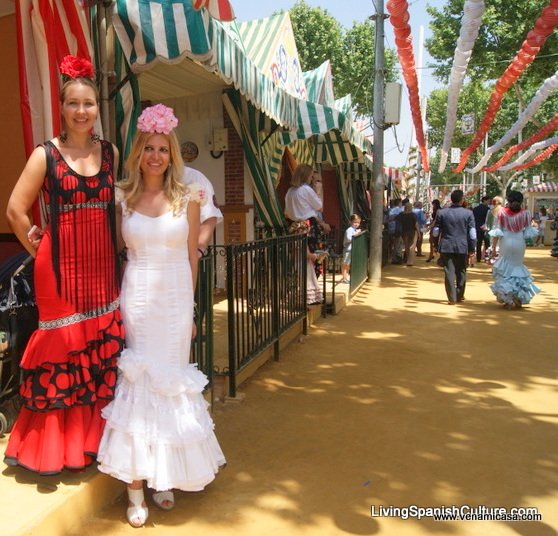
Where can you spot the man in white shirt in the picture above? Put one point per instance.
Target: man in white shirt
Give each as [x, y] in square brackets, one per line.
[210, 215]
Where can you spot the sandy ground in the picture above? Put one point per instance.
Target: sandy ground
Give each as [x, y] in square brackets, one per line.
[398, 400]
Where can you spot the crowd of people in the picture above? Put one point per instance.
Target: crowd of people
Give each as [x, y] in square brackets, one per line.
[494, 231]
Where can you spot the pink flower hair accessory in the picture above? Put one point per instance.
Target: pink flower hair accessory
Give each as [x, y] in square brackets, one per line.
[76, 67]
[157, 119]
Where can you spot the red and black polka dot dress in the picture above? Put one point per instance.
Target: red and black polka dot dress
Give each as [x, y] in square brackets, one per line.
[69, 366]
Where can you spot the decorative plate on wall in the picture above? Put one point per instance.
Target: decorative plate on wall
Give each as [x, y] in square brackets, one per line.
[189, 151]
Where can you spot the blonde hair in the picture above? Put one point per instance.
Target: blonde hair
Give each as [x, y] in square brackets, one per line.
[302, 175]
[132, 184]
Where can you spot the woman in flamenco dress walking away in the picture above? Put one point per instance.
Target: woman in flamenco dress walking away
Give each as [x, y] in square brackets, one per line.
[69, 366]
[513, 285]
[158, 429]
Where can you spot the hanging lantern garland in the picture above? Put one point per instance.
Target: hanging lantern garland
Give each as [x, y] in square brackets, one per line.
[551, 126]
[531, 151]
[218, 9]
[544, 27]
[470, 24]
[399, 11]
[539, 158]
[549, 86]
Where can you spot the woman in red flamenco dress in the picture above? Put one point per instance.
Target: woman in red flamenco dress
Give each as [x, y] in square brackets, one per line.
[69, 366]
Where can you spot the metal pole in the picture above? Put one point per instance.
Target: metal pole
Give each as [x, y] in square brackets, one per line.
[104, 89]
[377, 216]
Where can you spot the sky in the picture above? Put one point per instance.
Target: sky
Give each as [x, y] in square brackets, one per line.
[347, 12]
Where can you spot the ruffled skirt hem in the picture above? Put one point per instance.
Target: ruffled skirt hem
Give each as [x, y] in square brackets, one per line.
[164, 438]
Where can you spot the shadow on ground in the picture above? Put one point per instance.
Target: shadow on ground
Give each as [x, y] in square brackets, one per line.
[398, 400]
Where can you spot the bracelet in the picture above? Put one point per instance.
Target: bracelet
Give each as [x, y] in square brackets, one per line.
[202, 252]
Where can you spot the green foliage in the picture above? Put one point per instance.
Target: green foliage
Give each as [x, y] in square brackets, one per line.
[504, 28]
[320, 37]
[502, 33]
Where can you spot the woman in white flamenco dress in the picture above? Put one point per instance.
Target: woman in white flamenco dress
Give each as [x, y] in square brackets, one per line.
[513, 284]
[158, 428]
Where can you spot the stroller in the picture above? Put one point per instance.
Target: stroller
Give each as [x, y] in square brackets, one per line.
[18, 320]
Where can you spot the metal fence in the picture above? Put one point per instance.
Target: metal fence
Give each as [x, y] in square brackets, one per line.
[202, 345]
[359, 261]
[266, 295]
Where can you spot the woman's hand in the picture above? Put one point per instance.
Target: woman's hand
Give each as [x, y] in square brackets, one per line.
[34, 236]
[194, 330]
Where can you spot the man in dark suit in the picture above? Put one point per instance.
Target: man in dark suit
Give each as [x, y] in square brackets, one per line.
[458, 240]
[479, 213]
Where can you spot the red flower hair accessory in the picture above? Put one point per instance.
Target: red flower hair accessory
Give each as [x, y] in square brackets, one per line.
[76, 67]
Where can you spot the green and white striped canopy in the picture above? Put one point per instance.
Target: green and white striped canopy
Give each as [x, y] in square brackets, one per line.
[153, 31]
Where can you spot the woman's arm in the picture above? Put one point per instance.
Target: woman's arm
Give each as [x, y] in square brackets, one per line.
[24, 195]
[193, 238]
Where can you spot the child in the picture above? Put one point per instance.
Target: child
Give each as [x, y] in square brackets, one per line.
[352, 231]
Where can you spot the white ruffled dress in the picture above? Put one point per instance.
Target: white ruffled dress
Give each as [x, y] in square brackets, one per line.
[512, 280]
[158, 427]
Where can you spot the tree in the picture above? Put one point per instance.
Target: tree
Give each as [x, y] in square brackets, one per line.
[501, 35]
[320, 37]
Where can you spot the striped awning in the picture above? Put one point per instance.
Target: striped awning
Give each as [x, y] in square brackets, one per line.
[138, 27]
[319, 84]
[235, 52]
[549, 186]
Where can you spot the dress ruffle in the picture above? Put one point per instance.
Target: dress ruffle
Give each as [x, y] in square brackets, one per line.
[496, 233]
[512, 282]
[162, 377]
[158, 427]
[72, 365]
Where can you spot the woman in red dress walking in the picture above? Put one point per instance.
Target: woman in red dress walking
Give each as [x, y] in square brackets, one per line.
[69, 366]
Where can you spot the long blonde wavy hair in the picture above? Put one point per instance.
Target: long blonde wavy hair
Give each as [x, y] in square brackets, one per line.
[132, 184]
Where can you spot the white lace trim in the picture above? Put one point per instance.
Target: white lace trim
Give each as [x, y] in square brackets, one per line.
[79, 317]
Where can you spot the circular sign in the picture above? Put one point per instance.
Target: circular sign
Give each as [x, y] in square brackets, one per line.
[189, 151]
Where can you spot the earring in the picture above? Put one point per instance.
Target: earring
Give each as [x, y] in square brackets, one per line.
[95, 138]
[63, 137]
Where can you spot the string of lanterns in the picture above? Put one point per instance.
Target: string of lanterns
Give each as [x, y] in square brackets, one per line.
[532, 150]
[399, 11]
[543, 28]
[549, 86]
[470, 24]
[218, 9]
[551, 126]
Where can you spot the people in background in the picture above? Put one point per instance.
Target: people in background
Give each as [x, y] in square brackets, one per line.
[513, 285]
[409, 232]
[543, 217]
[350, 233]
[394, 231]
[303, 205]
[480, 212]
[433, 237]
[458, 241]
[491, 217]
[421, 220]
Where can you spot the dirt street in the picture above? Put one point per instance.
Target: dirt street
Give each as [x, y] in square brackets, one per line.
[399, 400]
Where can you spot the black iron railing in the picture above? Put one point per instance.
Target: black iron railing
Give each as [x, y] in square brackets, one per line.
[266, 295]
[202, 345]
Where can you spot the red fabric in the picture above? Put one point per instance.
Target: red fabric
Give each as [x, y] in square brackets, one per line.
[69, 365]
[514, 221]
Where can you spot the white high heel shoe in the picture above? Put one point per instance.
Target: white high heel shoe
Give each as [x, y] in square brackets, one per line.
[137, 513]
